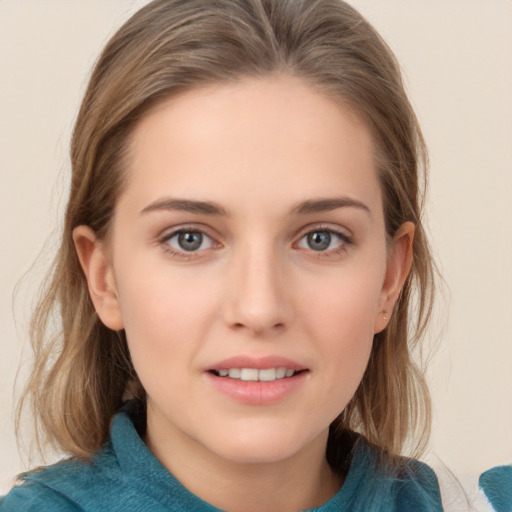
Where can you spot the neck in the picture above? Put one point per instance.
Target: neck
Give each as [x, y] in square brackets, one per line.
[301, 481]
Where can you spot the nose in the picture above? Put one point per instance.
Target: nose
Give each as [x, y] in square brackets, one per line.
[258, 299]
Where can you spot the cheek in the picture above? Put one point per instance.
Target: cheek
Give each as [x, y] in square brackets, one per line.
[165, 314]
[340, 317]
[347, 301]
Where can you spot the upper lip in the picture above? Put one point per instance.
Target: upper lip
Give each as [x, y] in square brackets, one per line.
[261, 363]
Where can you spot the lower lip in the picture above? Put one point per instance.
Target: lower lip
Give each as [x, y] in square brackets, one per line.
[257, 392]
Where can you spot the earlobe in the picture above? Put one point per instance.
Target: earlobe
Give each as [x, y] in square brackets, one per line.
[99, 275]
[398, 268]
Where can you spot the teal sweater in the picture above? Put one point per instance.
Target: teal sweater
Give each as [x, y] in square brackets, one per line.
[125, 477]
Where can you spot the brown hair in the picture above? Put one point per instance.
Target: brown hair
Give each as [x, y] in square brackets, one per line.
[83, 372]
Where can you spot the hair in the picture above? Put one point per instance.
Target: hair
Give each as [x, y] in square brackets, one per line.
[82, 371]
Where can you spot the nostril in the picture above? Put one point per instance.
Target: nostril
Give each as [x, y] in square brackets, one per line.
[276, 327]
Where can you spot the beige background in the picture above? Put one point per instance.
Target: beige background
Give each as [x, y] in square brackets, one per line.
[457, 58]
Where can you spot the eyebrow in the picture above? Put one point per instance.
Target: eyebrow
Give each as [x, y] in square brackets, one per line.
[185, 205]
[211, 208]
[328, 204]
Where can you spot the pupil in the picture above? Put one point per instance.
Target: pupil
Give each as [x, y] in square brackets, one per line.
[319, 240]
[190, 241]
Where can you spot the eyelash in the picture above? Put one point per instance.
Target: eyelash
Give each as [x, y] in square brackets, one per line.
[344, 239]
[345, 242]
[182, 254]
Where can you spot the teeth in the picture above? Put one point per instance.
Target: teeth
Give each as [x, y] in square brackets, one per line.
[281, 373]
[253, 374]
[267, 375]
[249, 374]
[234, 373]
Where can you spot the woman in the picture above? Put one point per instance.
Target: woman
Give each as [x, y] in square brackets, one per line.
[241, 242]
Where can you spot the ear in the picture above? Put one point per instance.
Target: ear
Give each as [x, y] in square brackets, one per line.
[398, 268]
[98, 271]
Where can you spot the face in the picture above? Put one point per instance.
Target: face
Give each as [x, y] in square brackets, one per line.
[248, 265]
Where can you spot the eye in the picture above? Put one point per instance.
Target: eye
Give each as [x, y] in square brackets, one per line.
[189, 241]
[323, 240]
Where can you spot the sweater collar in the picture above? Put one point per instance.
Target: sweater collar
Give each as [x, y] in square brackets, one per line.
[143, 470]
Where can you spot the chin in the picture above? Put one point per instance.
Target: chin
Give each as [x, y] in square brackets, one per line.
[260, 454]
[265, 445]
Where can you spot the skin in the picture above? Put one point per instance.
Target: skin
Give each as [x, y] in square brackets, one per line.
[257, 149]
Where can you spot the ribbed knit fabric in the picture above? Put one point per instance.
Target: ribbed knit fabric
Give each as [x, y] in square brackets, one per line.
[497, 486]
[125, 477]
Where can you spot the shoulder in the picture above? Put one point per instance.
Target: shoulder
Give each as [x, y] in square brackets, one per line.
[64, 486]
[36, 497]
[124, 476]
[417, 487]
[398, 485]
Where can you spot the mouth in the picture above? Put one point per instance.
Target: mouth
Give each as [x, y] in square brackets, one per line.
[257, 380]
[255, 374]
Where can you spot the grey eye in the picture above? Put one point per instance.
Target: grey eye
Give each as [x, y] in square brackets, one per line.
[319, 240]
[322, 240]
[190, 241]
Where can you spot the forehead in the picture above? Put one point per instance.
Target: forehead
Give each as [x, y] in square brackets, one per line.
[277, 135]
